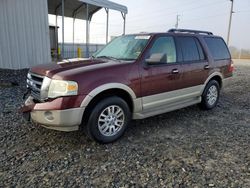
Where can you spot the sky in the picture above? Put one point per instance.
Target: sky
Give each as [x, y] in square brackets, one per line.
[160, 16]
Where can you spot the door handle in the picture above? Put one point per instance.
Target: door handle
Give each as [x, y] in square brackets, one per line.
[206, 67]
[175, 71]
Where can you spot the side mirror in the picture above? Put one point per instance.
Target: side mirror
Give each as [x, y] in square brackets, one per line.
[157, 58]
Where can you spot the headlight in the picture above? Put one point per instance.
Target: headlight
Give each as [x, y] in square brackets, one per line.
[45, 88]
[59, 88]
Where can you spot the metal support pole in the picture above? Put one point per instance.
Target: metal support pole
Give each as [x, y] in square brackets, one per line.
[107, 25]
[74, 36]
[56, 37]
[87, 30]
[124, 22]
[230, 21]
[62, 28]
[124, 26]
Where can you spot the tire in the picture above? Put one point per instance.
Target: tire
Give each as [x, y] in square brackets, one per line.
[210, 96]
[108, 120]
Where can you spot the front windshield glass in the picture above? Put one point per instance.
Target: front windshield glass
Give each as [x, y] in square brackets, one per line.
[125, 47]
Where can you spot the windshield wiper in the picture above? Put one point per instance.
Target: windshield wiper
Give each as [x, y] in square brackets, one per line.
[107, 57]
[127, 59]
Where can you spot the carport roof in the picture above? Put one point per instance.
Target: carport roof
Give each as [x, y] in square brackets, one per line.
[77, 8]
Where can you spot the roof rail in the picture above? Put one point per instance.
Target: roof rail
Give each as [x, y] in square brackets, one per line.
[189, 31]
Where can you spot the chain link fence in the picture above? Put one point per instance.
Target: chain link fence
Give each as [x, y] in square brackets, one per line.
[78, 50]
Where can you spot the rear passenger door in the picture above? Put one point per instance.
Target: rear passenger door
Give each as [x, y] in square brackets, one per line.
[195, 66]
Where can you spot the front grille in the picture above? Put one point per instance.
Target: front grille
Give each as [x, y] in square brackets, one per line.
[34, 83]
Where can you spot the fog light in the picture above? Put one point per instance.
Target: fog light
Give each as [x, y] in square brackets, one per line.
[49, 115]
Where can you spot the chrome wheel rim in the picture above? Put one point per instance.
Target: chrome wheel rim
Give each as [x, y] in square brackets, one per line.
[212, 95]
[111, 120]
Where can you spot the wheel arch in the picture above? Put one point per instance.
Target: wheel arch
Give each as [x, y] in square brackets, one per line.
[214, 76]
[108, 90]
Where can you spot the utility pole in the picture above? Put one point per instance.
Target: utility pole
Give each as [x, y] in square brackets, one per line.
[230, 21]
[177, 21]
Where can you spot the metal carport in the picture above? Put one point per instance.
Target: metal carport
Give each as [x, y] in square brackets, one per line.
[84, 9]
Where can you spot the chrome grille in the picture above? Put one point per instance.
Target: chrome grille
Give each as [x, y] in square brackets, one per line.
[34, 83]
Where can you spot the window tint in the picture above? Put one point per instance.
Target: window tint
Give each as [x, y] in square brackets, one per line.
[189, 49]
[217, 48]
[165, 45]
[201, 52]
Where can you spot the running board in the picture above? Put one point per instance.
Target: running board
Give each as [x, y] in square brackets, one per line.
[167, 108]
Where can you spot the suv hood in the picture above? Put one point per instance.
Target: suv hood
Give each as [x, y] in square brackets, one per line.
[82, 65]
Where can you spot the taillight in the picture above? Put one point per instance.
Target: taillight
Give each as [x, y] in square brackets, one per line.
[231, 66]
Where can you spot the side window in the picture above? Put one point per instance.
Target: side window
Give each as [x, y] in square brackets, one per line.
[217, 48]
[190, 50]
[165, 45]
[201, 52]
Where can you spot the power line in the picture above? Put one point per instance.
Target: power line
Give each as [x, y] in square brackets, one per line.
[101, 24]
[169, 8]
[241, 11]
[202, 18]
[142, 16]
[173, 12]
[183, 21]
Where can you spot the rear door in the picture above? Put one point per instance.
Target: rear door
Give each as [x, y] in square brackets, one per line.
[194, 65]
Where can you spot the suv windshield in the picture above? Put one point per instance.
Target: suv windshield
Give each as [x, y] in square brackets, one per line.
[124, 48]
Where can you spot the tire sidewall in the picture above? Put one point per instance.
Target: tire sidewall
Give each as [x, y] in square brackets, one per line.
[92, 126]
[204, 96]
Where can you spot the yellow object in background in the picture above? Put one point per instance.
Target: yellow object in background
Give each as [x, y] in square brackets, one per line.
[59, 51]
[79, 52]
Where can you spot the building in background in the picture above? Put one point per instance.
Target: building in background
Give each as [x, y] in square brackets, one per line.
[24, 33]
[26, 39]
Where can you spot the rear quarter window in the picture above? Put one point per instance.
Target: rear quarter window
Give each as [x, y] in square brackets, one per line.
[218, 48]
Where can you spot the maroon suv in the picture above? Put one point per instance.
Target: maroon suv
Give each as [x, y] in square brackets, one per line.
[132, 77]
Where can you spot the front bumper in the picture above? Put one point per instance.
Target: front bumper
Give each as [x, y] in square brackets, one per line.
[61, 120]
[51, 116]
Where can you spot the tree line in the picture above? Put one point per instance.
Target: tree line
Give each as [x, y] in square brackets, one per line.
[239, 53]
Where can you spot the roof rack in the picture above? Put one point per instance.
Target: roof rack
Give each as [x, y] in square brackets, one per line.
[189, 31]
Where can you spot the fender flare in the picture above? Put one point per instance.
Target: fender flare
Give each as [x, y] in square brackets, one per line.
[210, 77]
[105, 87]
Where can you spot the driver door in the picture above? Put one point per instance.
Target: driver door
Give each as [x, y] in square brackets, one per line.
[160, 80]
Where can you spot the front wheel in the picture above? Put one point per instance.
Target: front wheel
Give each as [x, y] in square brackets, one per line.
[108, 120]
[210, 95]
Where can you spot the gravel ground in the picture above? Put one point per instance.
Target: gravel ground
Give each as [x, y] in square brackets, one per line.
[184, 148]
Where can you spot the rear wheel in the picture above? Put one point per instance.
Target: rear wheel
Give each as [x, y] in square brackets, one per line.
[108, 120]
[210, 95]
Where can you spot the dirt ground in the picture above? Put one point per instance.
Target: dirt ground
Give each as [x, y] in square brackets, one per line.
[184, 148]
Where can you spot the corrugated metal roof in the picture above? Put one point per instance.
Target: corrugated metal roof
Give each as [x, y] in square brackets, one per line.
[24, 33]
[77, 8]
[107, 4]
